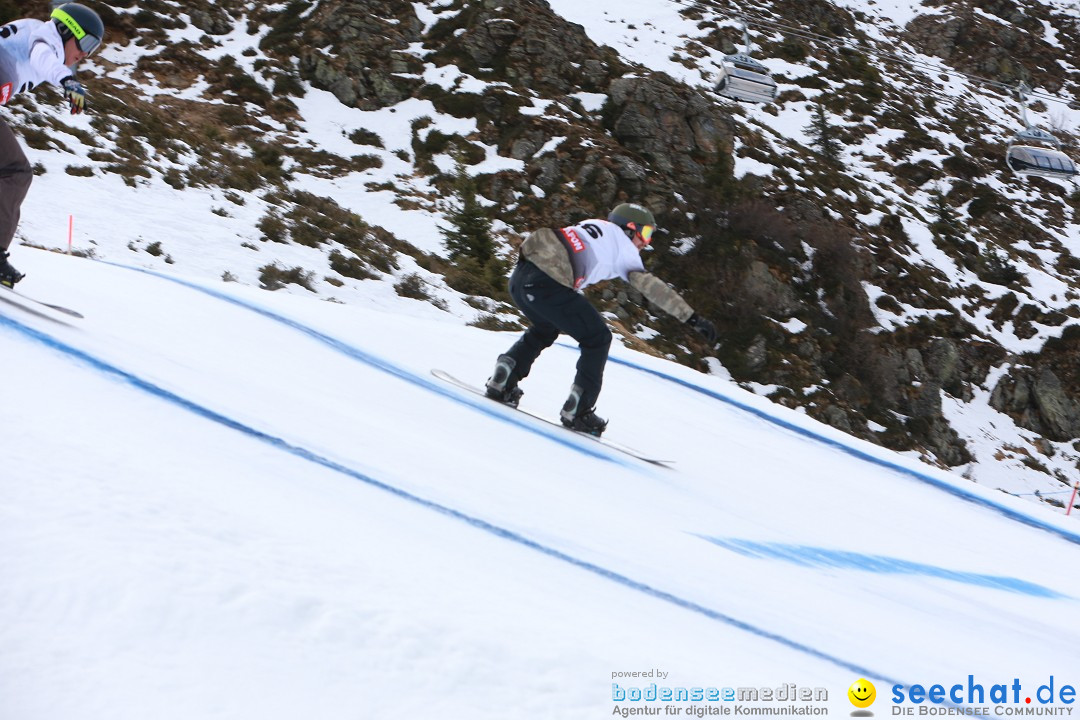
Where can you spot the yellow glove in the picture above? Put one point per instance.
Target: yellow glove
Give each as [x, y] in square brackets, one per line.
[75, 94]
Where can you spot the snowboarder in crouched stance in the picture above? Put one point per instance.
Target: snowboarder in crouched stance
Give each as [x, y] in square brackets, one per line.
[553, 266]
[33, 52]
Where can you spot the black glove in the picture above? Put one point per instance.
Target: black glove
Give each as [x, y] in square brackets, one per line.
[703, 327]
[75, 94]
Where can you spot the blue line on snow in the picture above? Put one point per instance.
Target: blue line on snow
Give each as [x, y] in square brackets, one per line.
[500, 532]
[567, 439]
[862, 454]
[816, 557]
[385, 366]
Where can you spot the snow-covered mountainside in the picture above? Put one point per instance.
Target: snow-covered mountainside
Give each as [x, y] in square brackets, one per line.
[866, 253]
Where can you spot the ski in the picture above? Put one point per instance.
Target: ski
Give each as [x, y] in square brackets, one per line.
[57, 308]
[619, 447]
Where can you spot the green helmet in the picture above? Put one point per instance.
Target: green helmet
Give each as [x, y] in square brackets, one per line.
[632, 217]
[80, 22]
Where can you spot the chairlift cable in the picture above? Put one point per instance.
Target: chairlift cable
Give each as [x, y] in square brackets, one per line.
[910, 61]
[1022, 157]
[757, 21]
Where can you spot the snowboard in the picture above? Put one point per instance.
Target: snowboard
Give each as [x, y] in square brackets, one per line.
[58, 308]
[618, 447]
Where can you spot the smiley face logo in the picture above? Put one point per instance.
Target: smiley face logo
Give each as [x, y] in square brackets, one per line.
[862, 693]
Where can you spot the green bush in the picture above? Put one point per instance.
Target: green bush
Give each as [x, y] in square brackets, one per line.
[350, 266]
[273, 277]
[273, 229]
[286, 28]
[487, 321]
[362, 136]
[412, 286]
[469, 234]
[994, 266]
[174, 178]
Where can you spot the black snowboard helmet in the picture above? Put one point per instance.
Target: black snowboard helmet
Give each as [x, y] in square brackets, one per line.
[634, 219]
[80, 22]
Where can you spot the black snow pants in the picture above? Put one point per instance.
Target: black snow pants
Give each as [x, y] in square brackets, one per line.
[553, 308]
[15, 176]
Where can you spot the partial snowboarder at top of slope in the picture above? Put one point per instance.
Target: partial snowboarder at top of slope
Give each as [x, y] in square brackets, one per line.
[32, 52]
[554, 266]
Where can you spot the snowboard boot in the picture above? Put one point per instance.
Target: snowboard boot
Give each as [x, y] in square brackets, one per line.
[8, 275]
[581, 419]
[502, 385]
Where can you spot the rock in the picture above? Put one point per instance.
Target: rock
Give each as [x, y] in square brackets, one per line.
[357, 52]
[1037, 400]
[598, 183]
[213, 21]
[670, 125]
[1011, 394]
[1059, 413]
[946, 444]
[913, 360]
[631, 175]
[547, 174]
[850, 390]
[926, 401]
[533, 47]
[523, 149]
[836, 417]
[943, 359]
[935, 35]
[974, 43]
[756, 354]
[767, 293]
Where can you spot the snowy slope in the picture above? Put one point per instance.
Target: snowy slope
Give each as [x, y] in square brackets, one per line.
[209, 232]
[219, 502]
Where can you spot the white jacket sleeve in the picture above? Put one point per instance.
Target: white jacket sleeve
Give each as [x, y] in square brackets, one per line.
[46, 65]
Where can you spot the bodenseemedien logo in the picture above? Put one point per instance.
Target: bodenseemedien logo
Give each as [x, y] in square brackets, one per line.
[700, 701]
[862, 695]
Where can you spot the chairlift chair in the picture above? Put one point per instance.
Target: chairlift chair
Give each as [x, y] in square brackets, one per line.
[1024, 159]
[1033, 151]
[744, 78]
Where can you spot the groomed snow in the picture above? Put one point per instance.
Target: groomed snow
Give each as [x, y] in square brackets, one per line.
[220, 502]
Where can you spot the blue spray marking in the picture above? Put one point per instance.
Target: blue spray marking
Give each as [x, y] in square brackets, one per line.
[815, 557]
[863, 455]
[483, 525]
[487, 407]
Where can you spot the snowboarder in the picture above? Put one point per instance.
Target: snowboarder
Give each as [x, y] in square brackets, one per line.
[33, 52]
[553, 266]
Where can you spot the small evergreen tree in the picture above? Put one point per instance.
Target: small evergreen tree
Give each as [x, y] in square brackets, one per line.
[470, 233]
[994, 266]
[824, 134]
[946, 227]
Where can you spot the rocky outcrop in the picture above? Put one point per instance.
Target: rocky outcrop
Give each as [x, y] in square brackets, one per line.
[670, 125]
[358, 51]
[526, 44]
[212, 20]
[977, 44]
[1036, 399]
[663, 134]
[1042, 394]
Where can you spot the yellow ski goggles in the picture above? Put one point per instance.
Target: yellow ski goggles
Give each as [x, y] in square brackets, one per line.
[645, 231]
